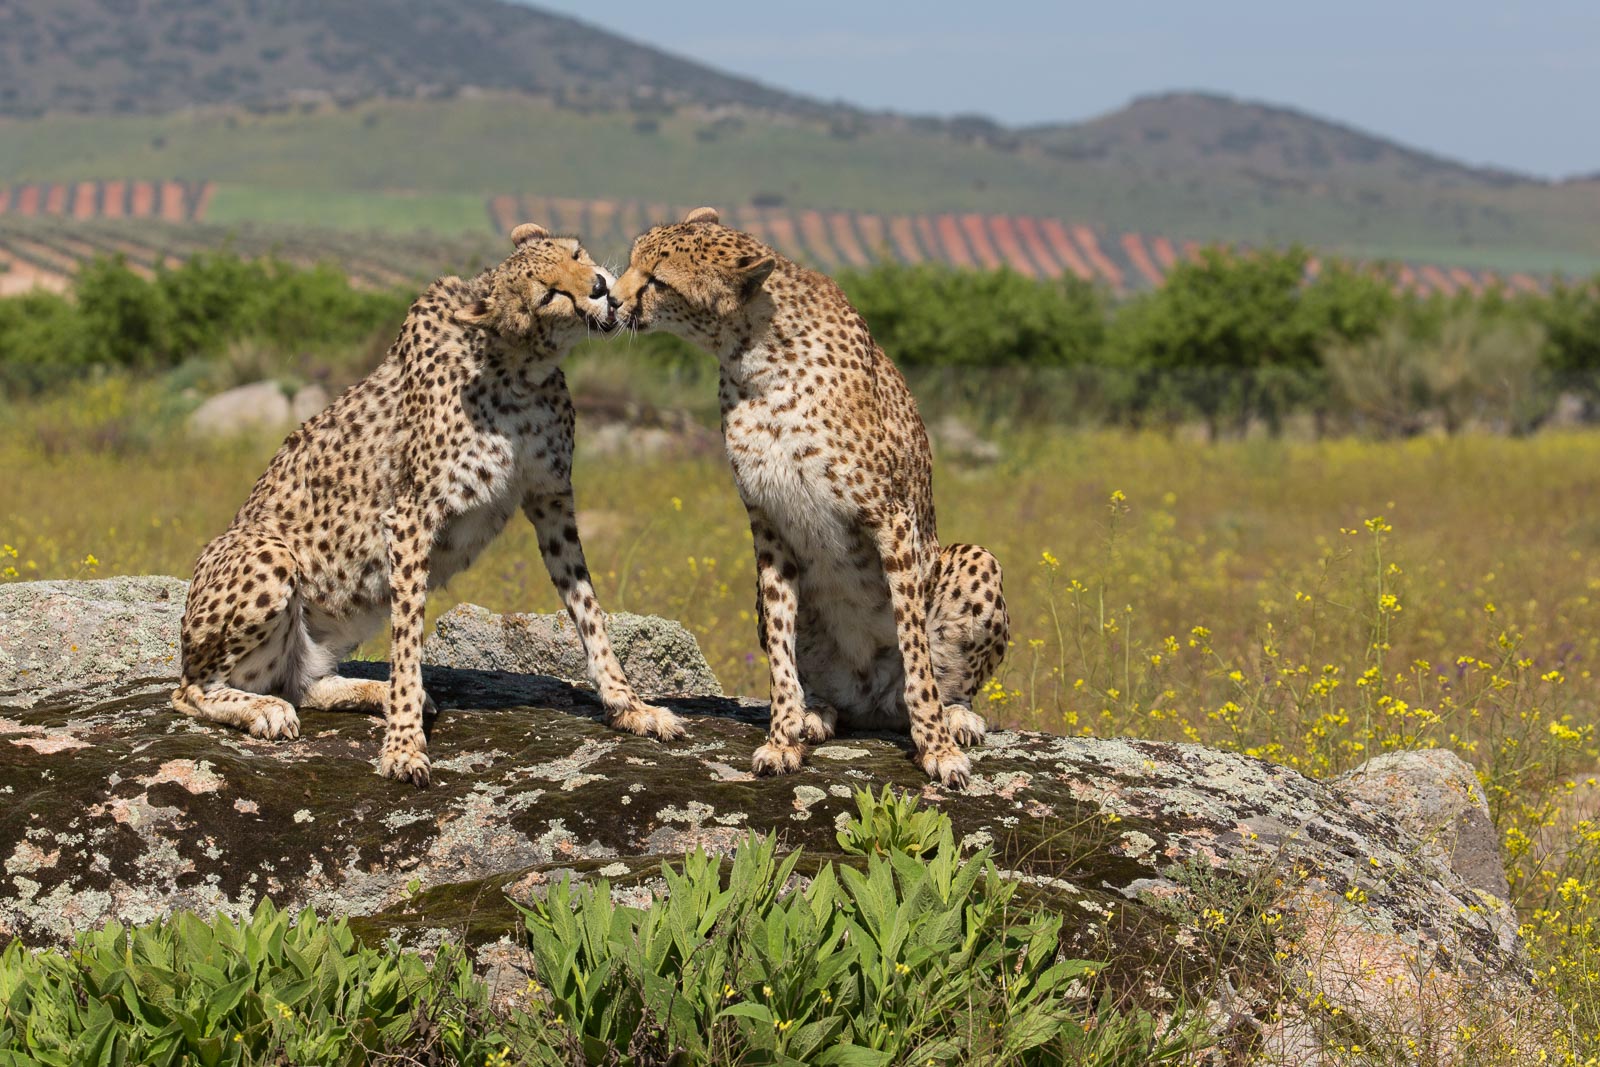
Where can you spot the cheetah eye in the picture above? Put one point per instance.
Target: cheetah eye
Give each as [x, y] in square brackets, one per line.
[549, 295]
[575, 254]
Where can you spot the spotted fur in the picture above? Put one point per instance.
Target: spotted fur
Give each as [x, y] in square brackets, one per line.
[864, 618]
[394, 489]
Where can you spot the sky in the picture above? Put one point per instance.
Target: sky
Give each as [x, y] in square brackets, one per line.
[1516, 86]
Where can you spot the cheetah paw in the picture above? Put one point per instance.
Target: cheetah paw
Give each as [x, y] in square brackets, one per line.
[406, 764]
[966, 725]
[646, 720]
[274, 721]
[819, 723]
[948, 767]
[777, 759]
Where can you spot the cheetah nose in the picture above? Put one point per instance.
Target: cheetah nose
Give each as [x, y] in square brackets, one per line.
[599, 289]
[613, 302]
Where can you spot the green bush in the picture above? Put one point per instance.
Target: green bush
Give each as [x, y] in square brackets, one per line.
[922, 957]
[269, 990]
[1230, 337]
[930, 315]
[1235, 335]
[1570, 316]
[118, 319]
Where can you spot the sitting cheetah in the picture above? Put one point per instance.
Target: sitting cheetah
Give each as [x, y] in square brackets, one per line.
[862, 615]
[394, 489]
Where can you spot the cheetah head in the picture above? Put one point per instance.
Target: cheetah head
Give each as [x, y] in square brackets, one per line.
[689, 277]
[547, 295]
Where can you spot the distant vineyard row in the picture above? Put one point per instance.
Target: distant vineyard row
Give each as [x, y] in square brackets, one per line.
[45, 251]
[120, 217]
[1036, 247]
[172, 201]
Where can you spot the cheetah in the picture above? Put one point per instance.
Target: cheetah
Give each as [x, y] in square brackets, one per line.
[865, 620]
[395, 488]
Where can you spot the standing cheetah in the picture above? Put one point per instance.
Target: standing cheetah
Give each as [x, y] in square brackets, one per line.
[861, 613]
[394, 489]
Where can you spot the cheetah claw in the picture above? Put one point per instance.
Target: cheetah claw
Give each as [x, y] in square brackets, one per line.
[407, 765]
[777, 759]
[966, 725]
[276, 722]
[949, 767]
[646, 720]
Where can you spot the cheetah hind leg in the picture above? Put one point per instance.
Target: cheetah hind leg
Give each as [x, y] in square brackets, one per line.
[257, 714]
[238, 636]
[334, 693]
[968, 628]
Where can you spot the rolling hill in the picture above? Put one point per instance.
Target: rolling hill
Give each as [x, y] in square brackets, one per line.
[124, 56]
[403, 115]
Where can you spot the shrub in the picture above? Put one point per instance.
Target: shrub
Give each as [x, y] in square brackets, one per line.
[1239, 335]
[918, 958]
[930, 316]
[1473, 368]
[214, 993]
[118, 319]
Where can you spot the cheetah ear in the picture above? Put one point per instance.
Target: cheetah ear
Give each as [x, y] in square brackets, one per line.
[752, 272]
[477, 313]
[702, 214]
[528, 231]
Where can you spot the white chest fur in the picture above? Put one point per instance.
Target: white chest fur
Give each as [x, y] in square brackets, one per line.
[488, 478]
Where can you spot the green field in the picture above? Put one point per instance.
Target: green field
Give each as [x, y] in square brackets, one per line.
[397, 212]
[414, 164]
[1309, 603]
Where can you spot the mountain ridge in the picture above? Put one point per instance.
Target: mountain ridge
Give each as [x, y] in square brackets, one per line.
[160, 56]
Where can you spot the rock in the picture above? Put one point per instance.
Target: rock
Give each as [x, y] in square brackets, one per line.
[630, 431]
[256, 408]
[309, 400]
[1571, 412]
[960, 442]
[80, 643]
[1435, 795]
[1278, 902]
[659, 656]
[1294, 913]
[76, 644]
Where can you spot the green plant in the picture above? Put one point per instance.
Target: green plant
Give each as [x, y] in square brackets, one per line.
[890, 822]
[938, 316]
[919, 958]
[269, 989]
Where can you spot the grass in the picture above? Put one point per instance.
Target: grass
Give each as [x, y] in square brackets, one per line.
[1310, 603]
[318, 160]
[348, 210]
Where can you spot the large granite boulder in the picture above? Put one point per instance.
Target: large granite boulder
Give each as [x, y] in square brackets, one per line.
[260, 407]
[660, 657]
[80, 643]
[1302, 916]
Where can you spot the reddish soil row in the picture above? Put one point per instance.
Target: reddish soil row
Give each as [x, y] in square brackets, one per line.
[172, 201]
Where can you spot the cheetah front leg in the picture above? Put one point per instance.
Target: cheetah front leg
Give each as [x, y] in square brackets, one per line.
[553, 517]
[405, 746]
[899, 546]
[777, 593]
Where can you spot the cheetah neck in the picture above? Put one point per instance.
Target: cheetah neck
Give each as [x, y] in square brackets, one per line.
[757, 351]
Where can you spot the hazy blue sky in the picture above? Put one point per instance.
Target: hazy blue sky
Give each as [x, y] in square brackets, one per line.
[1514, 85]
